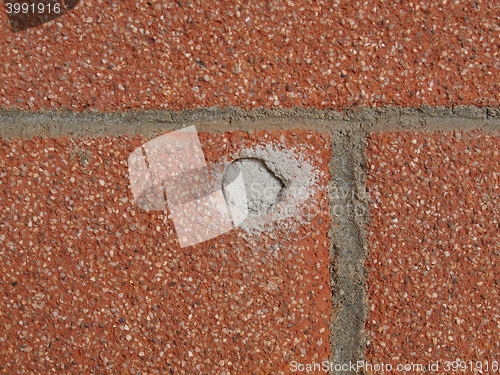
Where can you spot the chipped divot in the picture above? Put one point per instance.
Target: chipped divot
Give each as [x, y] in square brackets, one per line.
[262, 188]
[281, 186]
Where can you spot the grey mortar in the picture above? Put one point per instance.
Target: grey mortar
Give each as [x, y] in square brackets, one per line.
[15, 123]
[348, 130]
[348, 248]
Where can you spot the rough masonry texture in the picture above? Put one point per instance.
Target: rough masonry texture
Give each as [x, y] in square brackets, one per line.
[349, 223]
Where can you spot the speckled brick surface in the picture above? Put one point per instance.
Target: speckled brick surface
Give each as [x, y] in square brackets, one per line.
[110, 55]
[92, 284]
[89, 283]
[434, 262]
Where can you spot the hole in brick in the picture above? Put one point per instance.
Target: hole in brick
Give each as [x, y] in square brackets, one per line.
[263, 188]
